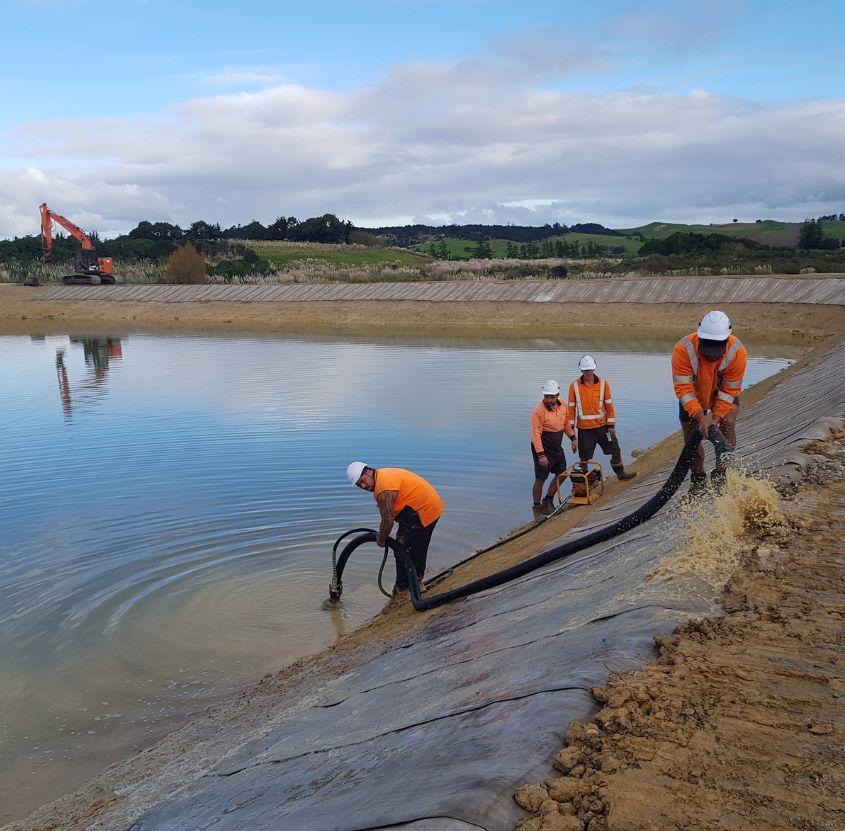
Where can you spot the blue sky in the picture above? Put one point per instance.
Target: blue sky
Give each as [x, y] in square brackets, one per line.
[84, 80]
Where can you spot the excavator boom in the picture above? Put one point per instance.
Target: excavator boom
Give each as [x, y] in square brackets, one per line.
[47, 219]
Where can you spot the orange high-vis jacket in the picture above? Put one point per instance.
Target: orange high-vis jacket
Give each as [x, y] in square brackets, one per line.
[411, 490]
[591, 405]
[544, 420]
[707, 385]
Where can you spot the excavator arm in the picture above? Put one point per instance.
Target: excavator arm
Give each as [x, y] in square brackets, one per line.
[90, 269]
[48, 217]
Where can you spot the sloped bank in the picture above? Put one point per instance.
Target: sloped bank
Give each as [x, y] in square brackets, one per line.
[438, 728]
[740, 722]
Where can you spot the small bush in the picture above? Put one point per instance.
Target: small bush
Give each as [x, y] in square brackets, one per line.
[185, 265]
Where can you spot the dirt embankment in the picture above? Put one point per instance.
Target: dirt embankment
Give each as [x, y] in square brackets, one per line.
[798, 325]
[740, 723]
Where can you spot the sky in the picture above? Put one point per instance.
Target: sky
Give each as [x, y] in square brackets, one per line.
[395, 111]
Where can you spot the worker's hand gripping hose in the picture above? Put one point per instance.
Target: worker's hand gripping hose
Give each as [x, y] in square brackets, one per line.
[724, 456]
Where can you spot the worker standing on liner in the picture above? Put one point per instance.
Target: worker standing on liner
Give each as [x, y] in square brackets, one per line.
[591, 409]
[409, 500]
[707, 370]
[549, 423]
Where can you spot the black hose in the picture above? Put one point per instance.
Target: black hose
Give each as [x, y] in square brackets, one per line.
[632, 520]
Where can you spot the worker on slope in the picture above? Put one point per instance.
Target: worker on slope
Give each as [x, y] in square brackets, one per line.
[549, 423]
[591, 408]
[409, 500]
[707, 370]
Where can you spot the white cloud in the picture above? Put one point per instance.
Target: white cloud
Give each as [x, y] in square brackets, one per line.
[242, 77]
[480, 139]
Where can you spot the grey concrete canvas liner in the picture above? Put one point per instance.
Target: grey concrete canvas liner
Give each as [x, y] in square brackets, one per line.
[439, 730]
[711, 290]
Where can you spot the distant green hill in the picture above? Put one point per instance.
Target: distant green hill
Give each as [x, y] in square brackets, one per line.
[834, 229]
[768, 232]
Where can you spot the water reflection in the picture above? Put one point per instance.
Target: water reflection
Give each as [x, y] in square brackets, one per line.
[172, 538]
[97, 352]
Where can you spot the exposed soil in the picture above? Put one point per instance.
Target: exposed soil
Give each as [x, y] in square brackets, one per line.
[798, 325]
[740, 723]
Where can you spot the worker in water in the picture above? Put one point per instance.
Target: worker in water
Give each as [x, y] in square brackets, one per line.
[707, 370]
[549, 424]
[591, 408]
[409, 500]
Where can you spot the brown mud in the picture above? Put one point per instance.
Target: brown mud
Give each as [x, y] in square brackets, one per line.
[740, 723]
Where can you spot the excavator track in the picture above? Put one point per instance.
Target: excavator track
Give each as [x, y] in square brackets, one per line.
[88, 280]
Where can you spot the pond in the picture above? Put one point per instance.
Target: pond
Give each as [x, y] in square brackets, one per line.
[168, 506]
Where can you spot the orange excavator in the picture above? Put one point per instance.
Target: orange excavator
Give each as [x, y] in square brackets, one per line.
[90, 269]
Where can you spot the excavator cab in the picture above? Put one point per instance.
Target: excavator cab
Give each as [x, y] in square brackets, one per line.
[87, 262]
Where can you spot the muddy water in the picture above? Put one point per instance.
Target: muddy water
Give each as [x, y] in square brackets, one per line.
[168, 505]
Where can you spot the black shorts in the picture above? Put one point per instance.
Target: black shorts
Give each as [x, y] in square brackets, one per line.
[557, 463]
[588, 439]
[685, 417]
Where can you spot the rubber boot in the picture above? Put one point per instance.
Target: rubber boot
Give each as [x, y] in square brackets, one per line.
[548, 506]
[622, 474]
[399, 598]
[718, 480]
[698, 486]
[539, 513]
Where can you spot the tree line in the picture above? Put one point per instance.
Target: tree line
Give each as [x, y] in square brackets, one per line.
[157, 240]
[544, 250]
[407, 235]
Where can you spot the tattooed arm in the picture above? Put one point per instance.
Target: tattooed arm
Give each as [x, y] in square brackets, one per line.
[385, 501]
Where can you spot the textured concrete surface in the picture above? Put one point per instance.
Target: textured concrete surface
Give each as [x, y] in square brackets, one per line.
[824, 291]
[439, 731]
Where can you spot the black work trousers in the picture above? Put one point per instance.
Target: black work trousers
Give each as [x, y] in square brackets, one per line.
[414, 537]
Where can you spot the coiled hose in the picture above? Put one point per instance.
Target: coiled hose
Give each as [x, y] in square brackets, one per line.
[724, 455]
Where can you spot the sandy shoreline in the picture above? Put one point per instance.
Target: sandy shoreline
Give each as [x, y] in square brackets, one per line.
[812, 328]
[794, 325]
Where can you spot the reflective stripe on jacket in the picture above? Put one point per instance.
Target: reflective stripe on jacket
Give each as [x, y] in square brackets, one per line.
[591, 405]
[544, 420]
[707, 385]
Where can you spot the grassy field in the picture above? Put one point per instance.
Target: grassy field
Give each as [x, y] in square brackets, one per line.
[834, 229]
[282, 254]
[767, 232]
[285, 254]
[631, 246]
[461, 249]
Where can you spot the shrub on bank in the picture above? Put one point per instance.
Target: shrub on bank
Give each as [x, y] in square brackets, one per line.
[185, 265]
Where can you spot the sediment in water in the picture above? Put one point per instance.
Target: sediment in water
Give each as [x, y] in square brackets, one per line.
[715, 532]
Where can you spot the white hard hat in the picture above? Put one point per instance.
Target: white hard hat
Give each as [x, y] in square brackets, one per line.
[551, 387]
[354, 471]
[715, 326]
[587, 362]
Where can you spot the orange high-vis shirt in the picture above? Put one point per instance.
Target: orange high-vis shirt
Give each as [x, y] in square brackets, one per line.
[544, 420]
[591, 405]
[707, 385]
[413, 491]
